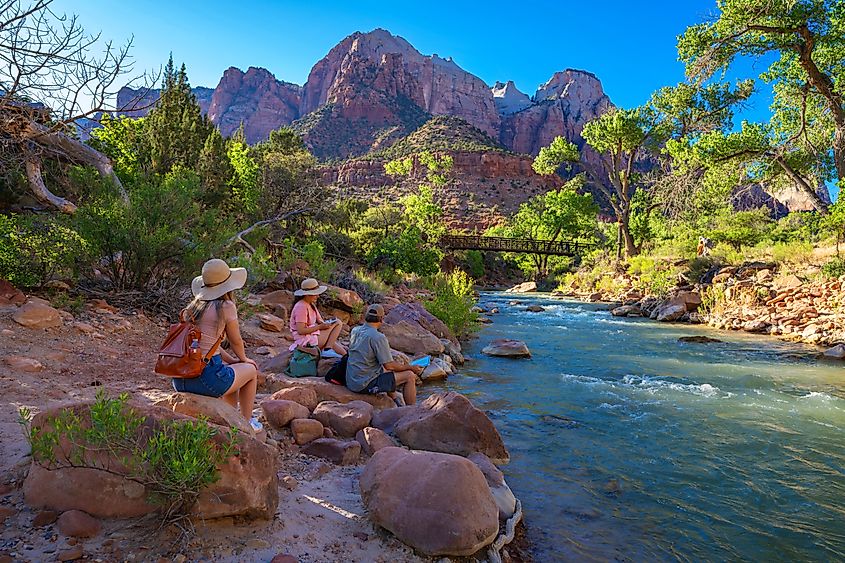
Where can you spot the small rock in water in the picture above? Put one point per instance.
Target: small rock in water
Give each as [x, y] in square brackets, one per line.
[698, 339]
[612, 488]
[535, 309]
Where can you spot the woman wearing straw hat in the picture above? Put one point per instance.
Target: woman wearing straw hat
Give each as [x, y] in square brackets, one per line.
[307, 325]
[213, 309]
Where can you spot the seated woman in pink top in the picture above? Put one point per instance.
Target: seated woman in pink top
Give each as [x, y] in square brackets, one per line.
[307, 325]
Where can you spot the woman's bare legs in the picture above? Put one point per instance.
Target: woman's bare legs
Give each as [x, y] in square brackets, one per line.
[328, 338]
[243, 389]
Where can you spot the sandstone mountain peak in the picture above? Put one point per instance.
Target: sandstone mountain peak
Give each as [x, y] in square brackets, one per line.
[568, 83]
[508, 98]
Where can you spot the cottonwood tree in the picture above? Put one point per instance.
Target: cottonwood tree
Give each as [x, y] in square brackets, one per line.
[50, 79]
[631, 144]
[805, 141]
[559, 214]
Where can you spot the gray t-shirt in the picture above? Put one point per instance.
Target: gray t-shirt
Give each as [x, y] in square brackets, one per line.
[368, 351]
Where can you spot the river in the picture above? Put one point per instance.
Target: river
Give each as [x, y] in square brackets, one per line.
[627, 444]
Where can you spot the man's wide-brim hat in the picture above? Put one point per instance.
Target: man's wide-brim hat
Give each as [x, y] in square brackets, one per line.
[310, 286]
[217, 280]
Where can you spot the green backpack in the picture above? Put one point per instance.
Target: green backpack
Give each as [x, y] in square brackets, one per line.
[302, 364]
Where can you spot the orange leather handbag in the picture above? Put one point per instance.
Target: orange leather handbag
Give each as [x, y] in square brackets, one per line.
[180, 355]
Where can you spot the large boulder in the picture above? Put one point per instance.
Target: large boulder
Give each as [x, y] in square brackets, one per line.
[387, 419]
[507, 348]
[670, 310]
[627, 311]
[326, 391]
[271, 322]
[278, 298]
[524, 287]
[411, 338]
[414, 312]
[344, 418]
[37, 314]
[449, 423]
[247, 485]
[502, 494]
[344, 299]
[216, 411]
[439, 504]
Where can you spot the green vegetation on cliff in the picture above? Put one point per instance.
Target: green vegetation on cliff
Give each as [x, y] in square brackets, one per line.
[443, 133]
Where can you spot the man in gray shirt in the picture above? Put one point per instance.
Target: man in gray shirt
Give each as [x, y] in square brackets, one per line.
[370, 365]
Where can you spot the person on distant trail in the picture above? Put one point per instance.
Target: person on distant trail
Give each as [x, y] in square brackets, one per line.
[705, 245]
[213, 310]
[310, 331]
[370, 366]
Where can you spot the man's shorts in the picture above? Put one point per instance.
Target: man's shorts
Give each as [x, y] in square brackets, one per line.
[384, 383]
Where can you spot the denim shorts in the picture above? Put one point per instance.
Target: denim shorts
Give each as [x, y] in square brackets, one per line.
[214, 381]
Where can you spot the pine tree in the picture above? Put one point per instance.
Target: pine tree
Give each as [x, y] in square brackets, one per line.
[214, 169]
[176, 129]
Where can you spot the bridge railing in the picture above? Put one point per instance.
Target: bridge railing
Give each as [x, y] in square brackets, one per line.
[504, 244]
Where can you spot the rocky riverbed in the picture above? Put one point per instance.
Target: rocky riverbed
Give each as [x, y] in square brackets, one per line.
[334, 476]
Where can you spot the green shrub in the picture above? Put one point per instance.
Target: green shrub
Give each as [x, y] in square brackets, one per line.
[834, 269]
[796, 252]
[407, 252]
[453, 301]
[162, 233]
[175, 460]
[311, 252]
[651, 276]
[475, 263]
[35, 249]
[700, 265]
[259, 266]
[712, 300]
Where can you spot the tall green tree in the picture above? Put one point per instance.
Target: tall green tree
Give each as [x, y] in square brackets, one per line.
[176, 129]
[805, 142]
[553, 216]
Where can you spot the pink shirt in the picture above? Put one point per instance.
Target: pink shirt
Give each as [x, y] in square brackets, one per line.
[302, 312]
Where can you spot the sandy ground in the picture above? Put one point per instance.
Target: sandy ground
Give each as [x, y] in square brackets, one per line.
[321, 519]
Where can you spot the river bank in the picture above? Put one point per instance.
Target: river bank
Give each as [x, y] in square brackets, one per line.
[755, 298]
[628, 444]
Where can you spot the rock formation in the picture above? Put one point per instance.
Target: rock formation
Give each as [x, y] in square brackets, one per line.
[256, 99]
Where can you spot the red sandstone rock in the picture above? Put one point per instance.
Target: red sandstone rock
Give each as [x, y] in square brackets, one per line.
[37, 314]
[10, 295]
[305, 430]
[305, 396]
[439, 504]
[449, 423]
[78, 524]
[373, 439]
[344, 418]
[280, 413]
[337, 451]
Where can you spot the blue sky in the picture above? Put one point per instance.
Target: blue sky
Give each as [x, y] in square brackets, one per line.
[629, 45]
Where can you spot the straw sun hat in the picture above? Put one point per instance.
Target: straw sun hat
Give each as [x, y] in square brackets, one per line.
[217, 279]
[310, 286]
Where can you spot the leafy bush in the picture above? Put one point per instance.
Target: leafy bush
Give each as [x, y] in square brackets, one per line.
[834, 269]
[33, 249]
[175, 461]
[700, 265]
[475, 263]
[712, 300]
[311, 252]
[259, 266]
[162, 233]
[652, 276]
[796, 252]
[743, 228]
[407, 252]
[453, 301]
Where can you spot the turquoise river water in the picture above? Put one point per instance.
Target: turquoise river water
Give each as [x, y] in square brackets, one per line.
[629, 445]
